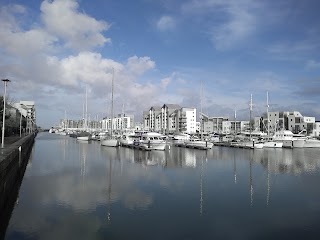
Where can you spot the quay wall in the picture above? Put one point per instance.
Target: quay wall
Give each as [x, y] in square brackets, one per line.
[13, 163]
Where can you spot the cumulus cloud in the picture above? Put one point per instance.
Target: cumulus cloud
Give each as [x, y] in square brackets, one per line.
[78, 30]
[138, 65]
[166, 23]
[44, 68]
[165, 82]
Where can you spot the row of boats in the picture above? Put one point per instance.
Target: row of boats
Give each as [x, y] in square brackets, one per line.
[280, 139]
[144, 140]
[147, 140]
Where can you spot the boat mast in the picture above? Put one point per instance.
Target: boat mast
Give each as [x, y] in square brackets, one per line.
[111, 127]
[122, 117]
[201, 122]
[86, 107]
[235, 124]
[250, 115]
[268, 113]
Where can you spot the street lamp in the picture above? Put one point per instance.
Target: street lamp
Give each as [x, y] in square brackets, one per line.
[5, 81]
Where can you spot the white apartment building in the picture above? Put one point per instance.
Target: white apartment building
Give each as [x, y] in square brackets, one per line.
[212, 124]
[293, 121]
[316, 130]
[234, 127]
[120, 123]
[28, 111]
[170, 118]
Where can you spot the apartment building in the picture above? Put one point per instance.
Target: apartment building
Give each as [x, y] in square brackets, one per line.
[170, 118]
[28, 111]
[293, 121]
[212, 124]
[119, 123]
[235, 127]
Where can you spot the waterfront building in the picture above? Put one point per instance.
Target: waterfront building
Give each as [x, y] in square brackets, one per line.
[122, 122]
[292, 121]
[298, 123]
[212, 124]
[234, 127]
[28, 111]
[316, 129]
[170, 118]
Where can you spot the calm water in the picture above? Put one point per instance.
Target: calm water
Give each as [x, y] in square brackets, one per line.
[79, 190]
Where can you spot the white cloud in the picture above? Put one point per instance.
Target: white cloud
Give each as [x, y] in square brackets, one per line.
[238, 28]
[231, 22]
[311, 65]
[35, 61]
[139, 65]
[78, 30]
[166, 23]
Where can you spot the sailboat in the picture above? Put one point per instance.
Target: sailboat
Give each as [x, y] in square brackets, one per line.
[251, 143]
[270, 143]
[110, 140]
[85, 135]
[195, 142]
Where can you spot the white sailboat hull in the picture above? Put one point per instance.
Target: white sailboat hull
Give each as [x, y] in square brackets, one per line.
[84, 138]
[199, 144]
[109, 142]
[153, 145]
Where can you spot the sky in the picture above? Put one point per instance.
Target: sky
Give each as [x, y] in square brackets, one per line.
[207, 54]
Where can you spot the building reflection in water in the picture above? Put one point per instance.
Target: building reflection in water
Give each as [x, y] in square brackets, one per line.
[293, 161]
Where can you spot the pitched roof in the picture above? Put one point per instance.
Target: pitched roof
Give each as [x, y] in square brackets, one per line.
[172, 106]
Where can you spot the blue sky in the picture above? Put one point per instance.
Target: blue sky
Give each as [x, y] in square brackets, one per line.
[161, 51]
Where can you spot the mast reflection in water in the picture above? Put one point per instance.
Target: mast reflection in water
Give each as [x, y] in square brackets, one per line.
[80, 190]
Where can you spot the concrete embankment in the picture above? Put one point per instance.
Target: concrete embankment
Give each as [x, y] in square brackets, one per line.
[13, 162]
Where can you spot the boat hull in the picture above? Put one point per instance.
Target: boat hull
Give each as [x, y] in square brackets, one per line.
[84, 138]
[273, 144]
[153, 145]
[311, 143]
[109, 143]
[299, 143]
[199, 144]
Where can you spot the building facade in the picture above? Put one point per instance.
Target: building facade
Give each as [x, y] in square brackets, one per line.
[120, 123]
[292, 121]
[170, 118]
[27, 111]
[212, 124]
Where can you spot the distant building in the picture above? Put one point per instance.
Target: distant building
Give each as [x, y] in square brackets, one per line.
[293, 121]
[120, 123]
[170, 118]
[235, 127]
[316, 129]
[28, 111]
[212, 124]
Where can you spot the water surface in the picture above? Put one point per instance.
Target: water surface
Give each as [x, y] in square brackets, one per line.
[81, 190]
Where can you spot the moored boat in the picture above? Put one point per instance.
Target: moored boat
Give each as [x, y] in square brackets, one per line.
[311, 143]
[195, 142]
[126, 140]
[149, 141]
[272, 144]
[109, 141]
[84, 136]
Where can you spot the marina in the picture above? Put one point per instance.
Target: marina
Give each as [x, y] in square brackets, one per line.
[81, 190]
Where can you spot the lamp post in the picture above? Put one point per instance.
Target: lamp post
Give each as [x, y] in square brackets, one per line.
[5, 81]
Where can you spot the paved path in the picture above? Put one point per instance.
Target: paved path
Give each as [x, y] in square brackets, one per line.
[9, 140]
